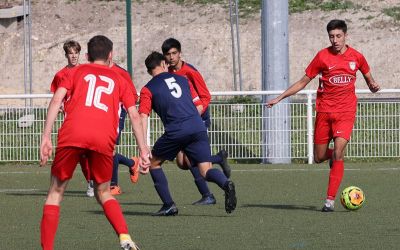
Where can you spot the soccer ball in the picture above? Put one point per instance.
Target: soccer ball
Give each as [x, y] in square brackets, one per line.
[352, 198]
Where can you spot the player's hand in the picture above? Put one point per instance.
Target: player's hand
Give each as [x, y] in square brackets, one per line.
[272, 102]
[46, 149]
[374, 87]
[144, 160]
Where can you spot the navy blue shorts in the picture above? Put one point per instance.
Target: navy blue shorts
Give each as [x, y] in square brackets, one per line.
[196, 147]
[121, 125]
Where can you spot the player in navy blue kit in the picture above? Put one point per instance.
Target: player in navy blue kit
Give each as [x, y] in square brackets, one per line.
[174, 99]
[171, 49]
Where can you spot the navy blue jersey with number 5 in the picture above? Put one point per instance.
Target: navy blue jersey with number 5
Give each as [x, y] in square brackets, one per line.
[171, 97]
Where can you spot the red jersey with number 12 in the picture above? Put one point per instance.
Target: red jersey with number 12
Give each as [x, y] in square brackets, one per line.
[336, 91]
[92, 111]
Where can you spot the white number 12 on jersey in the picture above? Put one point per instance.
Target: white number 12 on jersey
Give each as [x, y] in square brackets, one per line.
[94, 94]
[176, 90]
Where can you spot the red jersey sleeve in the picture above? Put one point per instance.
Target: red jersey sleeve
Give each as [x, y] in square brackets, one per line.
[364, 67]
[314, 68]
[55, 83]
[145, 101]
[195, 96]
[67, 81]
[128, 78]
[200, 87]
[128, 94]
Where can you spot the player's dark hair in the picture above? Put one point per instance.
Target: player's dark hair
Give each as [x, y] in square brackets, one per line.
[99, 47]
[336, 24]
[71, 44]
[153, 60]
[169, 44]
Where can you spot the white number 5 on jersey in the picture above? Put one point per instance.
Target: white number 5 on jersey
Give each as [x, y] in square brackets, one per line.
[94, 94]
[176, 90]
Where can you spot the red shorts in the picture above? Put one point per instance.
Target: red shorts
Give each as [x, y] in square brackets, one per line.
[66, 158]
[332, 125]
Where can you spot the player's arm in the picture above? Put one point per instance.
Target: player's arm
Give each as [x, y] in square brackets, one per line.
[372, 85]
[46, 146]
[137, 129]
[196, 99]
[201, 88]
[296, 87]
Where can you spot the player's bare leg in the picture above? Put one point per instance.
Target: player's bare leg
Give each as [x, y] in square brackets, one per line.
[113, 212]
[336, 173]
[51, 212]
[322, 152]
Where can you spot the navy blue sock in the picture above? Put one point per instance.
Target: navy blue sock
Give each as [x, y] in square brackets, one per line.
[114, 178]
[200, 181]
[216, 176]
[161, 186]
[216, 159]
[125, 160]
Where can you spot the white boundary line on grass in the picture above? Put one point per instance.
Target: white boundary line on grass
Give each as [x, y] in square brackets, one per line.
[244, 170]
[18, 190]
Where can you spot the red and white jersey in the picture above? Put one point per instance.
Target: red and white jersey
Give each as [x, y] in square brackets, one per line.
[93, 109]
[336, 91]
[197, 81]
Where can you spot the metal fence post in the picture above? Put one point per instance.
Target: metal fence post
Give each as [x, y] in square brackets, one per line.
[310, 129]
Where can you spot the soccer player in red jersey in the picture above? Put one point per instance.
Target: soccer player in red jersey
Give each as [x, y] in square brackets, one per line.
[92, 93]
[171, 49]
[336, 102]
[72, 51]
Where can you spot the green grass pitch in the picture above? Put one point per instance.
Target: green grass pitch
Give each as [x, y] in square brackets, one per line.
[278, 208]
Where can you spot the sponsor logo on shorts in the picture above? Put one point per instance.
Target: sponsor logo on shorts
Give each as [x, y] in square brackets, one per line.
[341, 79]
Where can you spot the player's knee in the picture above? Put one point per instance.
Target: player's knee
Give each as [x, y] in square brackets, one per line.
[318, 159]
[338, 156]
[182, 165]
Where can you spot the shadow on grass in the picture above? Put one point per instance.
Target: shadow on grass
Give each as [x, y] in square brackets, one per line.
[44, 193]
[283, 207]
[150, 214]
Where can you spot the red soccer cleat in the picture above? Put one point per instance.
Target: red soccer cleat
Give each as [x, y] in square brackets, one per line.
[134, 170]
[115, 190]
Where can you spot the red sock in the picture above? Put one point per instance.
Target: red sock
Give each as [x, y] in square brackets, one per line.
[113, 212]
[329, 153]
[335, 178]
[48, 226]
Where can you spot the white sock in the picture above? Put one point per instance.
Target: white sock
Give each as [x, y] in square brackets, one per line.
[329, 203]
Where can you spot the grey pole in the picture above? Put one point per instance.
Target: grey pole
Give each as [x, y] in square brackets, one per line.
[275, 76]
[235, 35]
[25, 48]
[30, 48]
[233, 44]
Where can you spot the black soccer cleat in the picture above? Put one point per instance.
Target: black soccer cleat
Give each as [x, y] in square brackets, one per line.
[167, 210]
[206, 200]
[230, 197]
[224, 165]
